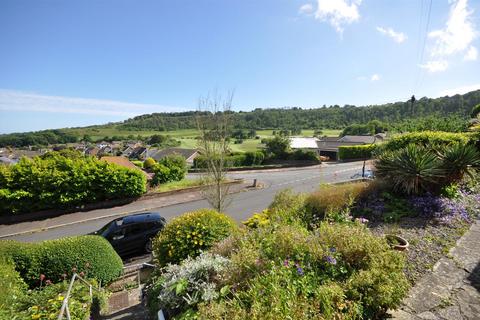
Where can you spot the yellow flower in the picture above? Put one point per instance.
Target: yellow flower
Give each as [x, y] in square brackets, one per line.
[196, 242]
[60, 298]
[35, 316]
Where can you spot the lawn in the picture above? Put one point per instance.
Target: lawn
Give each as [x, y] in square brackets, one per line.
[177, 185]
[186, 136]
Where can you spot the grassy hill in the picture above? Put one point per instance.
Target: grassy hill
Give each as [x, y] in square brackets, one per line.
[330, 120]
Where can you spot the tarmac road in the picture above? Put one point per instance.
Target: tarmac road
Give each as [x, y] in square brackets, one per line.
[243, 204]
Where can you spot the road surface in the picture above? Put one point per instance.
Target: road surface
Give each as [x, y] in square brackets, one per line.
[243, 203]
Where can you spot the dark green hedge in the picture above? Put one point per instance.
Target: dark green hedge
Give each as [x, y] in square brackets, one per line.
[235, 160]
[57, 259]
[356, 152]
[56, 181]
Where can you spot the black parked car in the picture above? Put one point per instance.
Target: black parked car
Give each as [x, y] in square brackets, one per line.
[134, 233]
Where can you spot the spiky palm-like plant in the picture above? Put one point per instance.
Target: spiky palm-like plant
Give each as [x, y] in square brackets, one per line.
[410, 170]
[458, 160]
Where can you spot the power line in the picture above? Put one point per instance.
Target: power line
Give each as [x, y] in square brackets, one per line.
[420, 73]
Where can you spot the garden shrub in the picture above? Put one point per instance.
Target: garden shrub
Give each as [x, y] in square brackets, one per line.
[332, 202]
[170, 168]
[59, 182]
[254, 158]
[12, 288]
[149, 163]
[425, 138]
[288, 207]
[138, 163]
[181, 287]
[58, 259]
[235, 160]
[336, 271]
[191, 233]
[356, 152]
[304, 155]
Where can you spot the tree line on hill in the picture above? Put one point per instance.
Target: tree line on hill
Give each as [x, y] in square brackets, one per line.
[440, 114]
[333, 117]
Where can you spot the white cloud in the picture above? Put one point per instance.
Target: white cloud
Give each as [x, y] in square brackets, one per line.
[471, 55]
[455, 38]
[336, 12]
[306, 9]
[375, 77]
[435, 65]
[460, 90]
[11, 100]
[398, 37]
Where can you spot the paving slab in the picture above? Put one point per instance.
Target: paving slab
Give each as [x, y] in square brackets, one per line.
[452, 289]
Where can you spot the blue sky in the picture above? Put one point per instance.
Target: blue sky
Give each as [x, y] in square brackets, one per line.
[75, 63]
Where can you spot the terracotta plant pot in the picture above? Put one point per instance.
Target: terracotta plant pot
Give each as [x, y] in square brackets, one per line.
[397, 242]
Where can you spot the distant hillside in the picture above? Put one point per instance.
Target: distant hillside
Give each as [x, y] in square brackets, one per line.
[333, 117]
[457, 108]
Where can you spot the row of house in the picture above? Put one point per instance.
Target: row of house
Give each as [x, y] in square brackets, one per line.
[328, 146]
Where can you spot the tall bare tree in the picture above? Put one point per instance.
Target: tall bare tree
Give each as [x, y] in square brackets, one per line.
[213, 123]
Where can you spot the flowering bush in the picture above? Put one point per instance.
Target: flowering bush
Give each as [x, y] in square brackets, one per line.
[191, 233]
[258, 219]
[336, 271]
[181, 287]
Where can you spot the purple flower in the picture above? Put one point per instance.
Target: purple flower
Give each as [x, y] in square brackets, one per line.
[285, 263]
[331, 260]
[362, 220]
[300, 271]
[333, 250]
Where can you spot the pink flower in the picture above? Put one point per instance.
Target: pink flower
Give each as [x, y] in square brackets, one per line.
[42, 277]
[48, 282]
[82, 274]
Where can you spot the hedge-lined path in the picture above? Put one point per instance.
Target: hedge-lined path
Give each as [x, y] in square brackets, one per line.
[452, 290]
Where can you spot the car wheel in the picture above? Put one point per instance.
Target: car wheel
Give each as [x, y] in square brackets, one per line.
[149, 246]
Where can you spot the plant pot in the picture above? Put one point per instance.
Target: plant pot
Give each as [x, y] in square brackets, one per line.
[397, 242]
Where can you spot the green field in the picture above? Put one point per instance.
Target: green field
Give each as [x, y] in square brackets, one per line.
[186, 137]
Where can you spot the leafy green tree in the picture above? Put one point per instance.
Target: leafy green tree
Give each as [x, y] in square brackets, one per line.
[278, 146]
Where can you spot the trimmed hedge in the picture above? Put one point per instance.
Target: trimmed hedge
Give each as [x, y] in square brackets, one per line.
[356, 152]
[426, 138]
[191, 233]
[58, 259]
[235, 160]
[59, 182]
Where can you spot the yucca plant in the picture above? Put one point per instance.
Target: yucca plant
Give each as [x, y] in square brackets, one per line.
[410, 170]
[458, 160]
